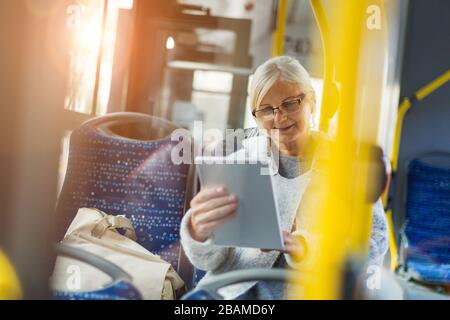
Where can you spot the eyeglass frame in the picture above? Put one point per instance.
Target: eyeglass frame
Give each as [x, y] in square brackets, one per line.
[299, 100]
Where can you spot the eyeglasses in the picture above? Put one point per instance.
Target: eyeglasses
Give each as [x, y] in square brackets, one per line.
[287, 107]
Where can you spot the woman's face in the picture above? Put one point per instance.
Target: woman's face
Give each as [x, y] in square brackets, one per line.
[292, 127]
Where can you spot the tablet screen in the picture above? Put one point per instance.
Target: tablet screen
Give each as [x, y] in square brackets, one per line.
[257, 222]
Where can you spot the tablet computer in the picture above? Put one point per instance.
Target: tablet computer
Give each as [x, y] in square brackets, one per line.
[257, 222]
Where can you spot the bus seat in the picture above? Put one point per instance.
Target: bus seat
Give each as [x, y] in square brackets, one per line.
[121, 164]
[427, 255]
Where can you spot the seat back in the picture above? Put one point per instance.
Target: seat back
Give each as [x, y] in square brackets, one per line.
[121, 164]
[428, 217]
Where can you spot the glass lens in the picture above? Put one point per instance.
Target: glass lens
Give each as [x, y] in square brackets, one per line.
[290, 106]
[266, 112]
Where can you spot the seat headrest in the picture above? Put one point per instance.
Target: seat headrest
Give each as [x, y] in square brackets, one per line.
[134, 126]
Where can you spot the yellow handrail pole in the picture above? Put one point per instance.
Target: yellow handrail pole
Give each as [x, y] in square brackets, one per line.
[328, 105]
[9, 283]
[433, 85]
[343, 218]
[392, 242]
[402, 111]
[280, 32]
[352, 147]
[406, 105]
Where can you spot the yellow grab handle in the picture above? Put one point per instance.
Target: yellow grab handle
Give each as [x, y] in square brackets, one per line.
[433, 85]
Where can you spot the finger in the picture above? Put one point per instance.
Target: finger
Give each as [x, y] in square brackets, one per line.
[296, 249]
[208, 193]
[283, 250]
[216, 203]
[290, 248]
[289, 243]
[295, 245]
[216, 214]
[289, 239]
[212, 226]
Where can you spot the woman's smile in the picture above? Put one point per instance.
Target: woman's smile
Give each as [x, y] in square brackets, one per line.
[286, 129]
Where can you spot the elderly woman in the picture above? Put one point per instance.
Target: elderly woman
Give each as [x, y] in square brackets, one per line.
[283, 101]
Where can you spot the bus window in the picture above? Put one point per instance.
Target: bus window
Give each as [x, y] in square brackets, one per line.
[94, 34]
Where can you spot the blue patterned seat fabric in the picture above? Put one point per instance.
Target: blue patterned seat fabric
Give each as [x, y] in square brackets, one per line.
[118, 291]
[131, 177]
[428, 222]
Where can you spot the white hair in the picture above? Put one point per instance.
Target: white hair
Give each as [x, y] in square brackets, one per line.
[279, 68]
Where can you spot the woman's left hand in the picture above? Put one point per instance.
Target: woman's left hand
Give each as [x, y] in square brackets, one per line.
[295, 245]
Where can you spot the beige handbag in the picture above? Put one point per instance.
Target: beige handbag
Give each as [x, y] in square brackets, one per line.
[96, 232]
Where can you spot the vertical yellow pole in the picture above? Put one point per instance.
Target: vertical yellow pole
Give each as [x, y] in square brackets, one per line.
[403, 110]
[337, 200]
[392, 242]
[280, 32]
[9, 283]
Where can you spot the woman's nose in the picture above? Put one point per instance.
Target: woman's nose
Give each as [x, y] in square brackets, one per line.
[279, 116]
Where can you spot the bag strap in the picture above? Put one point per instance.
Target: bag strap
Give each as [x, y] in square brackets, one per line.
[114, 222]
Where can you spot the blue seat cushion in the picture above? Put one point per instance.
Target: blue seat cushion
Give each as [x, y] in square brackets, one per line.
[429, 272]
[118, 291]
[428, 221]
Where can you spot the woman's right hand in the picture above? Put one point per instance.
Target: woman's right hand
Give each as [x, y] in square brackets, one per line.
[210, 208]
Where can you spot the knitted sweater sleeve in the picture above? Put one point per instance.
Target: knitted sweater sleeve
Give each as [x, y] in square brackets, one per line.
[203, 255]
